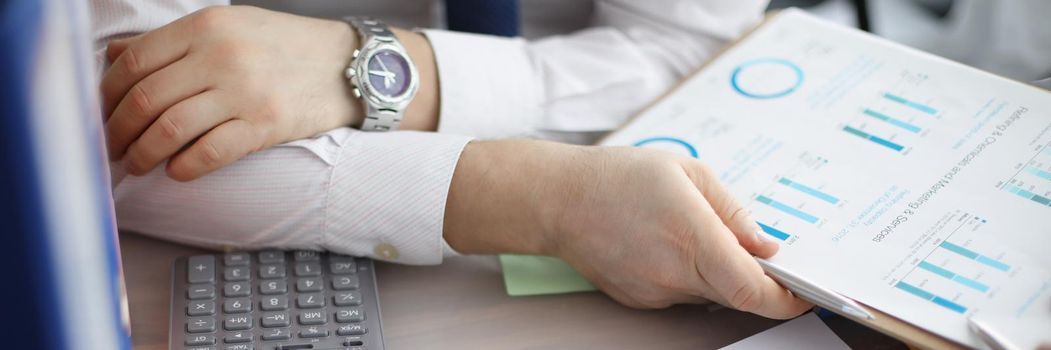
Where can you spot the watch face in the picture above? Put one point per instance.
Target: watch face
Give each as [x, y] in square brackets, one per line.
[389, 73]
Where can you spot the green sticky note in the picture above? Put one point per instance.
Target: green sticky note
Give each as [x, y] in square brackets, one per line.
[537, 275]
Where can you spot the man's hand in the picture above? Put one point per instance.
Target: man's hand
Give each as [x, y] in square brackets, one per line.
[222, 82]
[648, 228]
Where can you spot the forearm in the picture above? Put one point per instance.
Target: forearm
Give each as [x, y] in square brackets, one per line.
[505, 198]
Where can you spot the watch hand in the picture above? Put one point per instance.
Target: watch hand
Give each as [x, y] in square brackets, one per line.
[383, 65]
[384, 74]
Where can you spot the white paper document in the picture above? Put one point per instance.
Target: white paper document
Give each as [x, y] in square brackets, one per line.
[805, 332]
[910, 183]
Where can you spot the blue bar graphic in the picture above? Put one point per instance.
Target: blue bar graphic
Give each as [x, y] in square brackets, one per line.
[787, 209]
[1028, 195]
[878, 140]
[892, 121]
[774, 232]
[809, 190]
[911, 104]
[996, 264]
[948, 304]
[979, 286]
[1046, 175]
[970, 254]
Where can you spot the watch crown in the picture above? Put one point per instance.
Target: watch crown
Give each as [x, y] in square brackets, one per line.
[357, 92]
[349, 72]
[355, 54]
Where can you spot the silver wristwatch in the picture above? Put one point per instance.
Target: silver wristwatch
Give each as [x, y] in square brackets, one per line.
[381, 74]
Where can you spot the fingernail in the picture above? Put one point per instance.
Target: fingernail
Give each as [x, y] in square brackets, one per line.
[761, 236]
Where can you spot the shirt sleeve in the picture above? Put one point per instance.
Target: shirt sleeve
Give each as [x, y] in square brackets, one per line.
[380, 195]
[575, 87]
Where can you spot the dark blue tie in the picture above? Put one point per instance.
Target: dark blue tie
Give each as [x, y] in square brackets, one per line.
[494, 17]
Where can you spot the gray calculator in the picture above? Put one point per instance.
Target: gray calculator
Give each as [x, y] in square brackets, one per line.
[274, 300]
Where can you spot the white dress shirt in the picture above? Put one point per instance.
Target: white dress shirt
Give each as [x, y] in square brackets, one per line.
[383, 195]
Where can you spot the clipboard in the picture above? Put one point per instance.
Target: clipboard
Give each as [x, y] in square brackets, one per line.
[913, 336]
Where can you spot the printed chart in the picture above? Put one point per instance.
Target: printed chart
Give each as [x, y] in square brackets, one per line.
[1032, 179]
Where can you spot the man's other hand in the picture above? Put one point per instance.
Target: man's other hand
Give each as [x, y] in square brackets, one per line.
[221, 83]
[648, 228]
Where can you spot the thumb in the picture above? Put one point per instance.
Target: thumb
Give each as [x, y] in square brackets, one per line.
[728, 208]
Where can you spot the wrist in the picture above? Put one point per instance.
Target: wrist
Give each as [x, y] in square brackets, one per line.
[344, 43]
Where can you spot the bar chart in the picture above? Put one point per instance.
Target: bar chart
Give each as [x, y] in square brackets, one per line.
[798, 200]
[891, 121]
[957, 270]
[1032, 179]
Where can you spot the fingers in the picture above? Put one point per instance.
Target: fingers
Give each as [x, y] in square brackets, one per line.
[223, 145]
[731, 213]
[141, 57]
[116, 47]
[148, 99]
[735, 275]
[176, 128]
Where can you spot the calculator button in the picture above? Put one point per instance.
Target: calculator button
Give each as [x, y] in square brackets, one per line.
[237, 323]
[237, 289]
[237, 306]
[271, 271]
[350, 315]
[306, 255]
[200, 325]
[275, 319]
[276, 334]
[347, 299]
[313, 317]
[310, 301]
[200, 269]
[273, 287]
[271, 256]
[202, 291]
[200, 339]
[200, 308]
[238, 337]
[313, 332]
[308, 269]
[244, 346]
[340, 258]
[351, 329]
[308, 285]
[236, 259]
[345, 282]
[200, 348]
[342, 267]
[274, 303]
[236, 274]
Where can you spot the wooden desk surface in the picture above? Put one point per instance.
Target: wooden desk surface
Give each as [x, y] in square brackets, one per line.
[462, 305]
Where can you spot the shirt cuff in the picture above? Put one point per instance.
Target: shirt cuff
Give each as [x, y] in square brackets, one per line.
[387, 196]
[488, 89]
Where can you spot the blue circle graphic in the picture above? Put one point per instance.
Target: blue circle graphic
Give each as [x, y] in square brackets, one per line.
[684, 144]
[735, 76]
